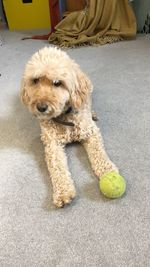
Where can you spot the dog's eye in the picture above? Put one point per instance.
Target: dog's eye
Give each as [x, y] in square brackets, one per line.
[36, 80]
[56, 83]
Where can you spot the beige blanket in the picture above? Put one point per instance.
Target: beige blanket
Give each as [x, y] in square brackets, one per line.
[102, 21]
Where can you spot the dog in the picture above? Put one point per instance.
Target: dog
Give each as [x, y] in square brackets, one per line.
[58, 93]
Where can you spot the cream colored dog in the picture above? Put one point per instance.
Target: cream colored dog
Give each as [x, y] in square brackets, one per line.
[58, 93]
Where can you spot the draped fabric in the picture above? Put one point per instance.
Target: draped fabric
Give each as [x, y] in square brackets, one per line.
[101, 22]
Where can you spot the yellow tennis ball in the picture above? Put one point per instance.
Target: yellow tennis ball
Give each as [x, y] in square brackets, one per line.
[112, 185]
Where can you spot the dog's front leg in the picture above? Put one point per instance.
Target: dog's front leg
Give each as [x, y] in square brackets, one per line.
[100, 161]
[63, 186]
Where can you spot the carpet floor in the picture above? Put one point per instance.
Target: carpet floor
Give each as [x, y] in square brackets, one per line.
[92, 231]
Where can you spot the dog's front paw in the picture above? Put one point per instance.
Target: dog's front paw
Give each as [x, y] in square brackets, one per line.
[64, 196]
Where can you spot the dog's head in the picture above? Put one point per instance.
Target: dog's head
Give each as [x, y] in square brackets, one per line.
[52, 82]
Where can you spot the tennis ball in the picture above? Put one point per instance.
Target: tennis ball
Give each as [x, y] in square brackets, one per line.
[112, 185]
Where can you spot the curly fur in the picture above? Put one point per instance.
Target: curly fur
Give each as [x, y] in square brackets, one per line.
[45, 67]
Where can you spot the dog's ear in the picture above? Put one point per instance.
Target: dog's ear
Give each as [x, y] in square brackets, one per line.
[23, 94]
[82, 88]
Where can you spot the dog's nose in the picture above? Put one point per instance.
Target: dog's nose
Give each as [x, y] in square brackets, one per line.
[42, 107]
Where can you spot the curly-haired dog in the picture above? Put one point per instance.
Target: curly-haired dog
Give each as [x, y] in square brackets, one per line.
[58, 93]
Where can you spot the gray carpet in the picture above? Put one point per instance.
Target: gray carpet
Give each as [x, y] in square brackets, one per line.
[92, 231]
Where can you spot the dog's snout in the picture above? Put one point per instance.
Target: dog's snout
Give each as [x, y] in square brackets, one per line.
[42, 107]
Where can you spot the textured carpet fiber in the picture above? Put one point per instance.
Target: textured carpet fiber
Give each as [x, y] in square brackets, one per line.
[92, 231]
